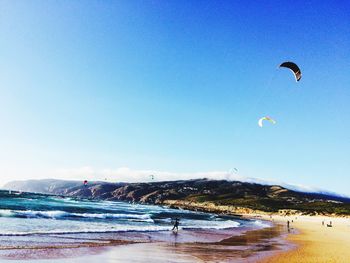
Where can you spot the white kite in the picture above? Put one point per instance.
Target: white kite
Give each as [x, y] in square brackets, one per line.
[266, 118]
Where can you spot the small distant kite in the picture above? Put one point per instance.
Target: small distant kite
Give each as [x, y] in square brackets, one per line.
[151, 177]
[266, 118]
[233, 171]
[293, 67]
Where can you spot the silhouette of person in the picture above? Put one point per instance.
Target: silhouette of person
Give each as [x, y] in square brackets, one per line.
[176, 224]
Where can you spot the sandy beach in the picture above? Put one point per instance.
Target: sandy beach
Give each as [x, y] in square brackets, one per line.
[315, 242]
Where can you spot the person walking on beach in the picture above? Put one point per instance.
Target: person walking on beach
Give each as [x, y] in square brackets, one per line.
[176, 225]
[288, 225]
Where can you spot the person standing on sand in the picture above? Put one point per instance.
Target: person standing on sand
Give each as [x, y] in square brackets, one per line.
[288, 224]
[176, 225]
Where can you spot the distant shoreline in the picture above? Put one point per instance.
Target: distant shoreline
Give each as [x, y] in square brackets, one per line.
[244, 212]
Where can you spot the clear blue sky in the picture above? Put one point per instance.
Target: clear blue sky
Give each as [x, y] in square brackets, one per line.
[176, 86]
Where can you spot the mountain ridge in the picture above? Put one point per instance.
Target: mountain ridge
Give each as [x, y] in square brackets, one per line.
[234, 195]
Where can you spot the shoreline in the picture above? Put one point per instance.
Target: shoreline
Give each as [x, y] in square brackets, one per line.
[208, 246]
[308, 241]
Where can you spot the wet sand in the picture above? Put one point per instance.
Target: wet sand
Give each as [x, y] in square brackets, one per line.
[248, 247]
[213, 246]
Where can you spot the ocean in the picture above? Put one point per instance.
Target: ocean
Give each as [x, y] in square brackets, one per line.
[31, 223]
[30, 213]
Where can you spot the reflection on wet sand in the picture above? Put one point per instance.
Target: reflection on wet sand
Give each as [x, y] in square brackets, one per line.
[253, 244]
[172, 247]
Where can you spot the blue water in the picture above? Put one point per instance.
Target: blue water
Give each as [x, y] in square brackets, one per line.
[28, 213]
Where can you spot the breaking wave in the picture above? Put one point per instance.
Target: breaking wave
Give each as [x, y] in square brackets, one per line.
[32, 214]
[62, 215]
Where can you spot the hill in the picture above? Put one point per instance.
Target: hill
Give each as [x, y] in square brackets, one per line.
[210, 195]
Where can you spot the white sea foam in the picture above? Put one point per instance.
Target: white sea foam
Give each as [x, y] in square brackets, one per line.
[6, 213]
[205, 224]
[261, 224]
[124, 228]
[57, 214]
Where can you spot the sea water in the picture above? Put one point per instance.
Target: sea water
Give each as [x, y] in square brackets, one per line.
[24, 214]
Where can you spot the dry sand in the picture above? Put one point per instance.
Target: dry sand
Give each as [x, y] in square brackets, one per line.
[315, 242]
